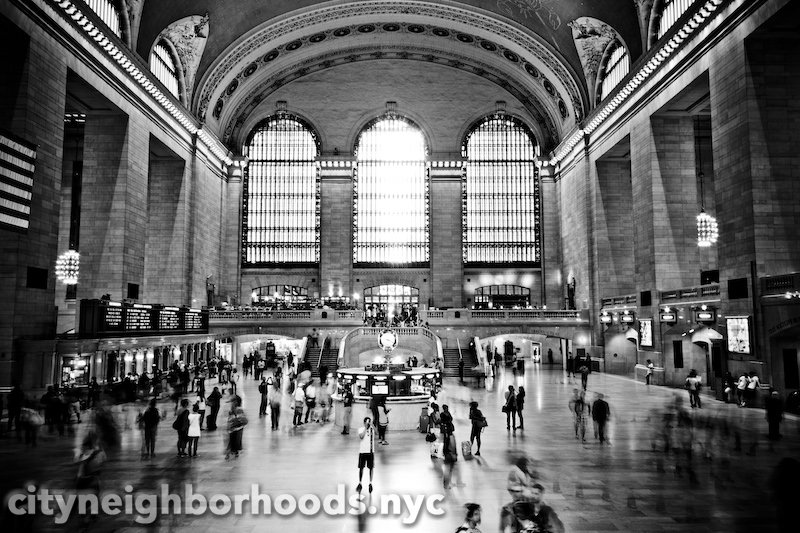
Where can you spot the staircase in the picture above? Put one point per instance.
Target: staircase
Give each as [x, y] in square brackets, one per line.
[329, 358]
[451, 363]
[312, 356]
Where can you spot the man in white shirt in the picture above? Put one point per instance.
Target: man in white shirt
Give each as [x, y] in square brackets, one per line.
[366, 451]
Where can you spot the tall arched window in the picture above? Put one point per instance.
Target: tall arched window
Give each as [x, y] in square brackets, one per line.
[163, 66]
[501, 193]
[390, 194]
[280, 215]
[108, 13]
[671, 11]
[615, 69]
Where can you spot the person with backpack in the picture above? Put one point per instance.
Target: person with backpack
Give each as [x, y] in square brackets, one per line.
[181, 425]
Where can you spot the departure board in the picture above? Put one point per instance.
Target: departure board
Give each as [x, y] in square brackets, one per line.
[169, 318]
[103, 318]
[138, 319]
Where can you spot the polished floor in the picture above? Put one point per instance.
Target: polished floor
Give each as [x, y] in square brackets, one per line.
[630, 485]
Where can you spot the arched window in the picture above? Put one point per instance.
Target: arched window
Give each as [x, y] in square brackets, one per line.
[501, 193]
[391, 299]
[280, 215]
[615, 69]
[390, 194]
[272, 294]
[163, 66]
[671, 11]
[108, 13]
[502, 297]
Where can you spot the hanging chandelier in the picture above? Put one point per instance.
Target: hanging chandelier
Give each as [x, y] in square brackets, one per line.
[67, 267]
[707, 230]
[707, 227]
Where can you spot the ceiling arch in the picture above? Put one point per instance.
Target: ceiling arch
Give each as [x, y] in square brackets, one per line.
[285, 50]
[232, 19]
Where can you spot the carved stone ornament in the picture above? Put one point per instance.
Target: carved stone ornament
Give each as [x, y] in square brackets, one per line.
[134, 9]
[591, 38]
[189, 36]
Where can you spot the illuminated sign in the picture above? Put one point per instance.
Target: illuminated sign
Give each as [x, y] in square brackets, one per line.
[738, 330]
[605, 318]
[646, 332]
[627, 318]
[102, 318]
[669, 317]
[705, 316]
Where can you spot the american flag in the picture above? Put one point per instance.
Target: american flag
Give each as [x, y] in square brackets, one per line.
[17, 162]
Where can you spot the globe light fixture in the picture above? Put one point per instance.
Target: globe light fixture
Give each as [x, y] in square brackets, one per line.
[67, 267]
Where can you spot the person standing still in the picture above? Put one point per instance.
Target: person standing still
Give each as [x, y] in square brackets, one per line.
[150, 419]
[478, 422]
[214, 401]
[366, 452]
[570, 365]
[520, 406]
[774, 409]
[263, 389]
[510, 408]
[347, 403]
[601, 412]
[274, 401]
[650, 367]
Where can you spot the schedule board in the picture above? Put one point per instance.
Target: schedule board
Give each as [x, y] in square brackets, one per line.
[103, 318]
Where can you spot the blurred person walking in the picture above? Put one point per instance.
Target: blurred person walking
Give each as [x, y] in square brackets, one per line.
[236, 423]
[774, 411]
[471, 520]
[347, 404]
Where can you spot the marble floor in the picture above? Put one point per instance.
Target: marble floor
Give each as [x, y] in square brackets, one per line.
[629, 485]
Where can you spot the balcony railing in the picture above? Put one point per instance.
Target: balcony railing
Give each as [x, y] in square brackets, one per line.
[691, 293]
[780, 284]
[623, 300]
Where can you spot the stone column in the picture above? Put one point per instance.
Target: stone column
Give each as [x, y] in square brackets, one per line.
[447, 266]
[114, 206]
[336, 226]
[552, 290]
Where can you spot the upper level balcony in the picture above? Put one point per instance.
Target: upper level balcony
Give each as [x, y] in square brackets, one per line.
[449, 317]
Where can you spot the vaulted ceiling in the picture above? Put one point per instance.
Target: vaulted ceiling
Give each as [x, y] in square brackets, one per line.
[531, 48]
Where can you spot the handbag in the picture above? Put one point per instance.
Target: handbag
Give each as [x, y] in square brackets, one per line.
[504, 409]
[430, 437]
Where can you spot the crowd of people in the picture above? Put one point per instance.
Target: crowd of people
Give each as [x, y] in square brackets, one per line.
[677, 433]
